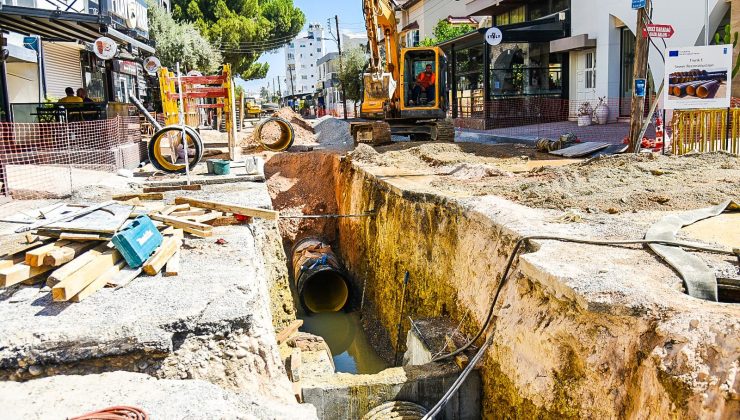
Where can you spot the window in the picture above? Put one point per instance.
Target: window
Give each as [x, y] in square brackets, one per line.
[590, 70]
[291, 56]
[304, 77]
[318, 49]
[412, 38]
[511, 17]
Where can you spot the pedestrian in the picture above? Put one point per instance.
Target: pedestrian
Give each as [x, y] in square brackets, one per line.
[70, 98]
[82, 93]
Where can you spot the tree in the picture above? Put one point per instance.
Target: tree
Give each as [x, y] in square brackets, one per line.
[180, 42]
[354, 62]
[445, 31]
[265, 94]
[243, 29]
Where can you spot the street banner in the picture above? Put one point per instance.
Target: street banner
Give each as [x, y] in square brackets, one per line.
[698, 77]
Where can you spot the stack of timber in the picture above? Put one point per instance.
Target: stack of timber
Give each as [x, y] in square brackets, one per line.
[73, 252]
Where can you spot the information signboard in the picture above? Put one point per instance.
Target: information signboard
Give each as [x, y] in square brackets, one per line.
[698, 77]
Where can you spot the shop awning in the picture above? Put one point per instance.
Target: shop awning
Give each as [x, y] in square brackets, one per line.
[55, 25]
[578, 42]
[545, 29]
[17, 54]
[52, 24]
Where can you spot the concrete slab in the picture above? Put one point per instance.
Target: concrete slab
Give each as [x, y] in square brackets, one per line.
[62, 397]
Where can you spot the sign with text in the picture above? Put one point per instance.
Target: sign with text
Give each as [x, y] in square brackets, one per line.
[494, 36]
[658, 31]
[698, 77]
[638, 4]
[640, 87]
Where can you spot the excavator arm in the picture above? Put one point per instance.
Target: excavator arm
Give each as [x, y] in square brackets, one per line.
[381, 80]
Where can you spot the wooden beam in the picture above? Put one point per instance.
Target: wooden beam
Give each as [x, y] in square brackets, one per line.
[17, 248]
[194, 228]
[99, 282]
[11, 260]
[208, 217]
[172, 268]
[229, 208]
[639, 71]
[171, 209]
[160, 257]
[81, 278]
[63, 255]
[70, 268]
[189, 213]
[19, 273]
[140, 196]
[192, 187]
[125, 276]
[289, 331]
[35, 257]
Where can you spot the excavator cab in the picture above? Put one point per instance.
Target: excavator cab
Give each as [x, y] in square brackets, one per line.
[424, 92]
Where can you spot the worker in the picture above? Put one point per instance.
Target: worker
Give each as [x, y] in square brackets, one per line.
[71, 98]
[425, 82]
[82, 93]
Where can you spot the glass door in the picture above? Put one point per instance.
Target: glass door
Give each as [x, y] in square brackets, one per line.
[626, 70]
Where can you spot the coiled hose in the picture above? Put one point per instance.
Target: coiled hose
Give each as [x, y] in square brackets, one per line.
[486, 324]
[120, 412]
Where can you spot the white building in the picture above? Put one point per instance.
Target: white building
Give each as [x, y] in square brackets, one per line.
[301, 55]
[603, 43]
[354, 40]
[417, 18]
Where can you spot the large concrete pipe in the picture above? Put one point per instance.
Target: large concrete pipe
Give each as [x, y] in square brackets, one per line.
[707, 90]
[691, 89]
[265, 135]
[321, 282]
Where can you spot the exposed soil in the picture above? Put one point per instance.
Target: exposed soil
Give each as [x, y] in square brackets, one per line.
[303, 184]
[612, 184]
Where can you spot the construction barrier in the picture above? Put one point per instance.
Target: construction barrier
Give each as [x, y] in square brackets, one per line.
[706, 130]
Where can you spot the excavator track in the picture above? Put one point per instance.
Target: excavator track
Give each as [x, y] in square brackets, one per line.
[373, 133]
[445, 131]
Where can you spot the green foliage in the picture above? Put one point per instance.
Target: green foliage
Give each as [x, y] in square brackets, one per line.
[444, 31]
[180, 42]
[725, 37]
[353, 65]
[243, 29]
[264, 93]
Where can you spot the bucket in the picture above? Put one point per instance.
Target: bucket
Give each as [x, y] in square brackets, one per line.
[221, 167]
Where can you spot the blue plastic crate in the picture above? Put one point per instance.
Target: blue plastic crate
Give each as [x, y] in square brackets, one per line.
[137, 241]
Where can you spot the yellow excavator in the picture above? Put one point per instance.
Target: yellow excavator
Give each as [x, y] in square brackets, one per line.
[405, 92]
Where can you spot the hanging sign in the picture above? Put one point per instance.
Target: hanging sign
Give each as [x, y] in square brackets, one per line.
[638, 4]
[494, 36]
[105, 48]
[152, 65]
[640, 87]
[698, 77]
[658, 31]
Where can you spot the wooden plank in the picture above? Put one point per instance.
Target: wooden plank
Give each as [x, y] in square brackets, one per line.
[67, 270]
[172, 268]
[78, 280]
[24, 247]
[63, 255]
[124, 277]
[152, 196]
[160, 257]
[35, 257]
[99, 282]
[71, 236]
[105, 220]
[171, 209]
[11, 260]
[192, 187]
[229, 220]
[229, 208]
[20, 272]
[208, 217]
[289, 331]
[189, 213]
[194, 228]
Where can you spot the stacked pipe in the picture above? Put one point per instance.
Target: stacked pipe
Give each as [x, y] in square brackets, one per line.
[321, 282]
[697, 83]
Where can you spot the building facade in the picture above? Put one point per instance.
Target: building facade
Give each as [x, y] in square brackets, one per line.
[601, 50]
[52, 50]
[301, 55]
[417, 18]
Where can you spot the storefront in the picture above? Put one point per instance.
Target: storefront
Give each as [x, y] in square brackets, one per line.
[494, 86]
[125, 75]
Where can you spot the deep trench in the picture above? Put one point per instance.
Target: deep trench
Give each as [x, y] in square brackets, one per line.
[330, 301]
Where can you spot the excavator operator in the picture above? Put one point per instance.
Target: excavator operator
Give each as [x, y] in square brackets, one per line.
[425, 83]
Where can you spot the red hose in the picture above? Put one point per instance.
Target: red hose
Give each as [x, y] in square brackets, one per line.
[120, 412]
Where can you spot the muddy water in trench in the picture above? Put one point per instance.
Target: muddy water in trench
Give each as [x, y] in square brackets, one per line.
[346, 338]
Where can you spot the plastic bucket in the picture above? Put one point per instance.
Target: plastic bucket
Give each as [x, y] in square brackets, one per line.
[221, 167]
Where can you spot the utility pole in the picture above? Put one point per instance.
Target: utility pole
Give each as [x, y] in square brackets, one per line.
[292, 86]
[341, 65]
[706, 22]
[280, 90]
[639, 71]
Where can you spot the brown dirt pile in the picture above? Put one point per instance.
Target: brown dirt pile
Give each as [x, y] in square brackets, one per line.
[303, 184]
[613, 184]
[304, 132]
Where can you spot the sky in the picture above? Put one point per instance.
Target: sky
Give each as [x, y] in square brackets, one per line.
[318, 11]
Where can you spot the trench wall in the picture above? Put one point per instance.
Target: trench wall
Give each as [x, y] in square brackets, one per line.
[553, 356]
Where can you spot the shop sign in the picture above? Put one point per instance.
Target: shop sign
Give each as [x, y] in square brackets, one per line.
[105, 48]
[640, 87]
[658, 31]
[698, 77]
[152, 65]
[494, 36]
[126, 67]
[133, 13]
